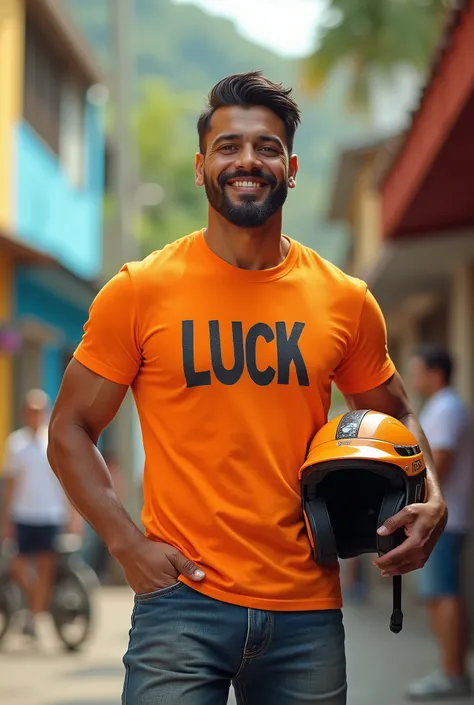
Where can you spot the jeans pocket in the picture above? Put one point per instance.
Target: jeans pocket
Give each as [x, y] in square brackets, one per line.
[161, 592]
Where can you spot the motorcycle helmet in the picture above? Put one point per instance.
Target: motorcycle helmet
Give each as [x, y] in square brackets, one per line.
[362, 468]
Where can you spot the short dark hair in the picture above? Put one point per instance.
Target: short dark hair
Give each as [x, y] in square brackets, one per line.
[436, 357]
[251, 89]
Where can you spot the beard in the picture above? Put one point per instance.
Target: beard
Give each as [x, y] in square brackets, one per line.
[248, 211]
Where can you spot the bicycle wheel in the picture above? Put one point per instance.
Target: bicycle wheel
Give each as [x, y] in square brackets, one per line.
[71, 609]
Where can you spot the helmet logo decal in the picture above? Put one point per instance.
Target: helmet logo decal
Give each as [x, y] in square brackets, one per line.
[350, 423]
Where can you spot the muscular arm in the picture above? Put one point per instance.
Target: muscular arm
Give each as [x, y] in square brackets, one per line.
[391, 398]
[86, 404]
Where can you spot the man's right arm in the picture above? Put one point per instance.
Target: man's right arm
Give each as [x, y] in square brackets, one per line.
[86, 404]
[105, 364]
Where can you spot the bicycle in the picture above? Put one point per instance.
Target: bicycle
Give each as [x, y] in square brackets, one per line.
[71, 605]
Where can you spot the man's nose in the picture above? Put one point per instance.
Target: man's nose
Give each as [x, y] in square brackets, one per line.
[248, 159]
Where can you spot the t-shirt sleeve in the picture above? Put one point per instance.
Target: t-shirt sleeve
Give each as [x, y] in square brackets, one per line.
[110, 345]
[447, 424]
[367, 363]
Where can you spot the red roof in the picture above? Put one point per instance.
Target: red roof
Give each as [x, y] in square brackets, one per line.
[428, 187]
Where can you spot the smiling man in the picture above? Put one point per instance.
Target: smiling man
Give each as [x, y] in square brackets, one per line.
[230, 339]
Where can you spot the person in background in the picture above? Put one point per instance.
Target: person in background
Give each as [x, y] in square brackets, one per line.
[446, 422]
[35, 507]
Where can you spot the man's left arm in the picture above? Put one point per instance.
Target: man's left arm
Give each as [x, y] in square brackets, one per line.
[368, 380]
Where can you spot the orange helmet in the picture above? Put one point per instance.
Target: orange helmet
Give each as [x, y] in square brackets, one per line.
[362, 468]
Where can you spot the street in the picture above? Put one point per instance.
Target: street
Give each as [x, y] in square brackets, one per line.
[379, 663]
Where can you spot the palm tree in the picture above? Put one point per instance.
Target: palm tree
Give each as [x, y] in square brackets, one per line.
[373, 38]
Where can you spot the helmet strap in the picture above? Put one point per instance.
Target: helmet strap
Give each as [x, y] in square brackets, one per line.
[396, 620]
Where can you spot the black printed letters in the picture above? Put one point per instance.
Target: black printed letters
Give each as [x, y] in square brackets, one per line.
[285, 341]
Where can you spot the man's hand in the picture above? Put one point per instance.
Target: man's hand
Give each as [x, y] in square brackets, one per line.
[423, 524]
[150, 566]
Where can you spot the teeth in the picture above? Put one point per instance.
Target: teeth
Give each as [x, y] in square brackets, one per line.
[248, 184]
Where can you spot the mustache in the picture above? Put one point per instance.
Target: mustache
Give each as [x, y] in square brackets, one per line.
[245, 175]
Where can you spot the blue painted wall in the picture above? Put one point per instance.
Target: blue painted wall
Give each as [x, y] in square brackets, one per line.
[34, 301]
[51, 213]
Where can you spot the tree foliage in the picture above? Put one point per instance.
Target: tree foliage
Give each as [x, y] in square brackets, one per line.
[166, 148]
[374, 37]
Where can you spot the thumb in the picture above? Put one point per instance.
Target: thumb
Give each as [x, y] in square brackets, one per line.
[186, 567]
[393, 523]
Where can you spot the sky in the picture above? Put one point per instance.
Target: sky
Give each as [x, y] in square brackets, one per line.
[288, 27]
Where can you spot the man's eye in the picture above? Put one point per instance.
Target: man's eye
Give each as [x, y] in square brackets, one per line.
[228, 147]
[272, 150]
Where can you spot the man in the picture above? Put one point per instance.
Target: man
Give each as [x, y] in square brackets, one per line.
[446, 422]
[230, 338]
[35, 506]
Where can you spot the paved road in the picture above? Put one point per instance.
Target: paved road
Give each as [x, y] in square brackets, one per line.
[379, 663]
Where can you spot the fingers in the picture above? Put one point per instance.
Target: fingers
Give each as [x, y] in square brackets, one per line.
[185, 566]
[402, 569]
[398, 521]
[398, 554]
[410, 551]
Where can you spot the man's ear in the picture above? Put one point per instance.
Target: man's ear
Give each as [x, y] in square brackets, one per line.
[293, 171]
[199, 169]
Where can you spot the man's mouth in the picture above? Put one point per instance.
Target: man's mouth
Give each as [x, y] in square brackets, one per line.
[247, 184]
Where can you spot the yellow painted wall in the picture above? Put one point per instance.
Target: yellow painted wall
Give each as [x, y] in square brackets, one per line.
[12, 30]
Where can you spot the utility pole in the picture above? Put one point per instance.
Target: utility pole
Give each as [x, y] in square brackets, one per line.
[122, 246]
[125, 175]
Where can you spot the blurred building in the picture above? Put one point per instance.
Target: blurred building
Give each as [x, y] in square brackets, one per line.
[410, 207]
[51, 192]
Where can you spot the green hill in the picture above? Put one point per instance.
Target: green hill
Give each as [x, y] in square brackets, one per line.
[191, 51]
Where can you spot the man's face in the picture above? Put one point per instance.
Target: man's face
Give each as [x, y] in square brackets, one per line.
[246, 169]
[33, 417]
[421, 377]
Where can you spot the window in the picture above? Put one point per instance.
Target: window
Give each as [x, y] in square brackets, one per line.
[54, 103]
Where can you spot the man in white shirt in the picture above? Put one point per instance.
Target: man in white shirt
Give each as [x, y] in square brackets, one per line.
[446, 422]
[35, 506]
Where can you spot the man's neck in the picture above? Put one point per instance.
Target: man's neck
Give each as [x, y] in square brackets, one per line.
[35, 431]
[247, 248]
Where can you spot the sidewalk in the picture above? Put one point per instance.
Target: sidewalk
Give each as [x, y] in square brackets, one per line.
[379, 662]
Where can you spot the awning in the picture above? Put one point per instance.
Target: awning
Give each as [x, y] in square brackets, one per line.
[20, 253]
[418, 268]
[48, 272]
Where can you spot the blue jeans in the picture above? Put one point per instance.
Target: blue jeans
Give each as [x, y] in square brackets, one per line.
[186, 648]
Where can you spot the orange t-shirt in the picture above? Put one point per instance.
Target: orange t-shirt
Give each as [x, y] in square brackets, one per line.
[231, 371]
